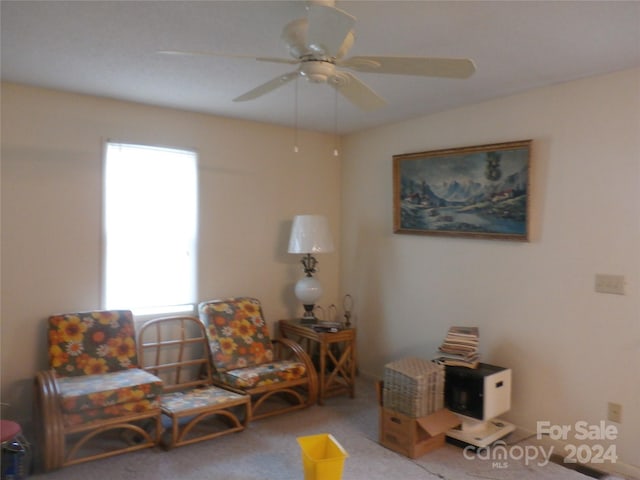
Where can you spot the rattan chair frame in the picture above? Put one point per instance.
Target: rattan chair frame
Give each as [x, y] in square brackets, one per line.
[299, 394]
[62, 445]
[169, 354]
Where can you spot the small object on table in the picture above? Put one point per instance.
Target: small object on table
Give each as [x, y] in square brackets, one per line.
[332, 313]
[331, 327]
[347, 304]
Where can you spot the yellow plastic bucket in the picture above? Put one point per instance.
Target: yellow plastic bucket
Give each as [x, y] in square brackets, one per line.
[322, 457]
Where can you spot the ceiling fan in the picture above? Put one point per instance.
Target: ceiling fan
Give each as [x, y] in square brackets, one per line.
[319, 43]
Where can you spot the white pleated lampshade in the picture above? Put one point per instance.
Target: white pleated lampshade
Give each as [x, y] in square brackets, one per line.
[310, 234]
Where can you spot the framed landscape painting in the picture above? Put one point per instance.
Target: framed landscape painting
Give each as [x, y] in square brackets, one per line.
[480, 191]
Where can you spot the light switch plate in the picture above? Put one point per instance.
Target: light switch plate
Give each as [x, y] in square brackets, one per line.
[610, 284]
[614, 412]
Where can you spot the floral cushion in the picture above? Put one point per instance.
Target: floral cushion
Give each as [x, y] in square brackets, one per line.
[112, 411]
[238, 334]
[92, 342]
[177, 402]
[264, 374]
[89, 392]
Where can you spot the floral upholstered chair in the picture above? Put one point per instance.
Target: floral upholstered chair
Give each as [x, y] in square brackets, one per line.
[177, 350]
[246, 358]
[94, 386]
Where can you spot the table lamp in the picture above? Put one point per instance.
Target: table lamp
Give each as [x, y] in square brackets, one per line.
[309, 235]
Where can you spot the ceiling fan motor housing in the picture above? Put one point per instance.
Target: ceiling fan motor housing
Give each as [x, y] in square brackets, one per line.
[317, 71]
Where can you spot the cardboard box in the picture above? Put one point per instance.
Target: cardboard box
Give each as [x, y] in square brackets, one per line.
[413, 437]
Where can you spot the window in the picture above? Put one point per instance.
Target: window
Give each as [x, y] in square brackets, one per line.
[150, 228]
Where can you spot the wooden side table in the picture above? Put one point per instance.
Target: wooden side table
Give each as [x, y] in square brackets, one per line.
[337, 370]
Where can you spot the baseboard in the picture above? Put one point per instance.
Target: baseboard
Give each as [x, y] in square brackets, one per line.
[368, 376]
[627, 471]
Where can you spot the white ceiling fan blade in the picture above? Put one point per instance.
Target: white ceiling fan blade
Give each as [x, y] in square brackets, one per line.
[328, 29]
[422, 66]
[267, 87]
[225, 55]
[357, 92]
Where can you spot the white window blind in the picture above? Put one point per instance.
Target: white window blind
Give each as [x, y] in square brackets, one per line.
[150, 227]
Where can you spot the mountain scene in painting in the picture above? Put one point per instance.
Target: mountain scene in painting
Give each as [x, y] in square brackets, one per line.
[481, 192]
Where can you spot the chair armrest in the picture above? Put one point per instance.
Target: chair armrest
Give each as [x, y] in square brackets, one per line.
[303, 357]
[49, 422]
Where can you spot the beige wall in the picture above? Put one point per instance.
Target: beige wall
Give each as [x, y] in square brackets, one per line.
[251, 186]
[571, 350]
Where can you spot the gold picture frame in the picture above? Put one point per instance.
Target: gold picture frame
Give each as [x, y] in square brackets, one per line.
[479, 191]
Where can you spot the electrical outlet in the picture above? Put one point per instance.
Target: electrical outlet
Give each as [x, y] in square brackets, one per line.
[614, 412]
[610, 284]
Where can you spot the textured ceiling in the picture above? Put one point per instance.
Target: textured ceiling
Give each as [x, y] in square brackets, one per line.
[109, 48]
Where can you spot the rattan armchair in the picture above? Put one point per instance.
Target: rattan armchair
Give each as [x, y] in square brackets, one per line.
[277, 373]
[94, 402]
[176, 349]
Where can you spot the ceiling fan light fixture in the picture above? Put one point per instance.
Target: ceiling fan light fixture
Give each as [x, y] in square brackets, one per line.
[294, 36]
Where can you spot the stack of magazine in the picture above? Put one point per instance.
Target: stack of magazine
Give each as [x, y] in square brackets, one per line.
[460, 347]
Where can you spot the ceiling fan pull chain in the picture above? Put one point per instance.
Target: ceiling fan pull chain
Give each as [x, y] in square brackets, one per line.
[295, 118]
[336, 152]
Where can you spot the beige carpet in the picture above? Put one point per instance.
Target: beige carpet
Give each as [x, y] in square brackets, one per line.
[268, 450]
